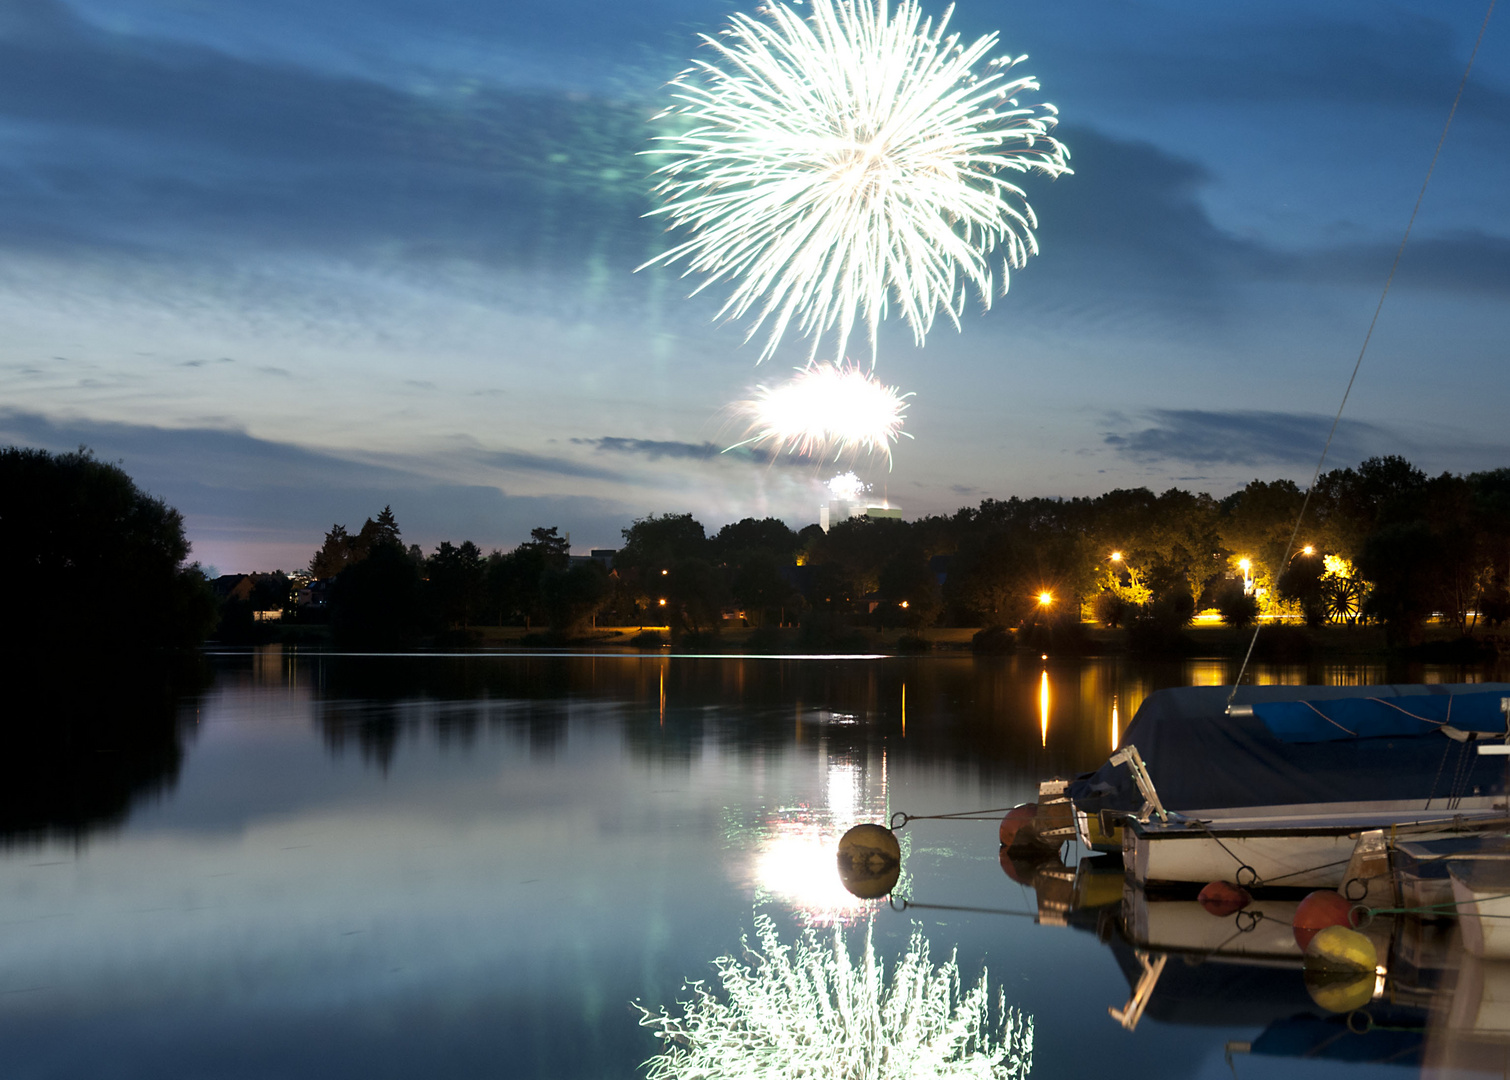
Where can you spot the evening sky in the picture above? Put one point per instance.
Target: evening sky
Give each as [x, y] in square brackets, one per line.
[290, 262]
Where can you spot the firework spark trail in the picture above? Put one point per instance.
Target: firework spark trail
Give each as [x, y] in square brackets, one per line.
[838, 164]
[823, 409]
[810, 1010]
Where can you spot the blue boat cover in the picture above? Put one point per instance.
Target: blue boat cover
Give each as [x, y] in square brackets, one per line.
[1394, 1036]
[1373, 718]
[1201, 758]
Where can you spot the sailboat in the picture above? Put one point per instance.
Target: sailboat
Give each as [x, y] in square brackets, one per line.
[1295, 786]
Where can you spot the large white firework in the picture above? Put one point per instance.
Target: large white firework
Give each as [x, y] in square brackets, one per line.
[810, 1011]
[834, 165]
[838, 409]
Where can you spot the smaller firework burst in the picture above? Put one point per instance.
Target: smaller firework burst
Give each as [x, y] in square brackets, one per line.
[810, 1010]
[846, 487]
[826, 409]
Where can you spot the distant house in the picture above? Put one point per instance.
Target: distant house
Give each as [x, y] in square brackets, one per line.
[234, 587]
[242, 589]
[601, 556]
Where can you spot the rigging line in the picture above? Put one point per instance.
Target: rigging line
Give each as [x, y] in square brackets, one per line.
[1388, 281]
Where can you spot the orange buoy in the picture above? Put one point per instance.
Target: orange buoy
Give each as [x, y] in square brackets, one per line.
[1320, 909]
[1222, 898]
[1018, 819]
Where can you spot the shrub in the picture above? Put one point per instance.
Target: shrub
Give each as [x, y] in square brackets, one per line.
[1238, 609]
[1110, 609]
[913, 643]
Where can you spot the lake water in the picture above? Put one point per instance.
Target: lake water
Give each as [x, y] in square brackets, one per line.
[471, 866]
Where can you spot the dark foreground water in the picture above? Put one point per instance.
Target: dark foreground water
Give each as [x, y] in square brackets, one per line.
[431, 866]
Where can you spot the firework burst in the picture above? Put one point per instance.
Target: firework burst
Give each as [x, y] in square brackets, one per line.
[826, 409]
[836, 165]
[810, 1010]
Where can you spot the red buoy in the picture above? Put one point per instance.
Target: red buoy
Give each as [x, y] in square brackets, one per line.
[1019, 818]
[1222, 898]
[1320, 909]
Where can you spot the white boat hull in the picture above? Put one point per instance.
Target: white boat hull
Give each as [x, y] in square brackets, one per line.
[1292, 846]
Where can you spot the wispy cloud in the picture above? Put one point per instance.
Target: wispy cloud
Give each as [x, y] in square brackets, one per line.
[656, 449]
[1287, 442]
[1241, 437]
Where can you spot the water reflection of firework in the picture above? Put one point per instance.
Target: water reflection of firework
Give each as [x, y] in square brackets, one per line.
[810, 1010]
[823, 410]
[796, 862]
[852, 161]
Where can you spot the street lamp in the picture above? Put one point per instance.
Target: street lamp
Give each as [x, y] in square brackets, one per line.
[1246, 566]
[1116, 556]
[1045, 599]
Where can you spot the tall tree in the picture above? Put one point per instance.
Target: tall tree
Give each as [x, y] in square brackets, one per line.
[334, 554]
[456, 579]
[89, 552]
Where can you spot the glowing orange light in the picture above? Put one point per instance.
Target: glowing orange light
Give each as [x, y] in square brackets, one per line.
[904, 603]
[1116, 556]
[1045, 599]
[1308, 550]
[1043, 706]
[1116, 737]
[663, 601]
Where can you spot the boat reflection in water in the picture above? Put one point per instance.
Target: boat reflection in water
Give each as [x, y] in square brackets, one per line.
[811, 1009]
[1431, 1004]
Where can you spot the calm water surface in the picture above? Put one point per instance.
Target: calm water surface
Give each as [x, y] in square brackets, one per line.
[471, 866]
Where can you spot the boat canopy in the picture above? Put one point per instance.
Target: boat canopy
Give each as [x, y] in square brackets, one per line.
[1478, 712]
[1201, 757]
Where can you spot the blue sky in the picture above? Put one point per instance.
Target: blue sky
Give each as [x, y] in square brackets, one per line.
[290, 262]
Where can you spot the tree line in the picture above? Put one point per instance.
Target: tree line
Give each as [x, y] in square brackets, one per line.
[1382, 542]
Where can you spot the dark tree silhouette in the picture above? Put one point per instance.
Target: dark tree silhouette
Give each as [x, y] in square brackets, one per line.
[91, 555]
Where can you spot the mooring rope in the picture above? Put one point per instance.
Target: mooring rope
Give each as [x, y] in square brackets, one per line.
[908, 905]
[961, 815]
[1446, 907]
[1388, 282]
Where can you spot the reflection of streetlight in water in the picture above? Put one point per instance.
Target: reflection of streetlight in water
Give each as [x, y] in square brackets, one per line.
[1043, 706]
[812, 1010]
